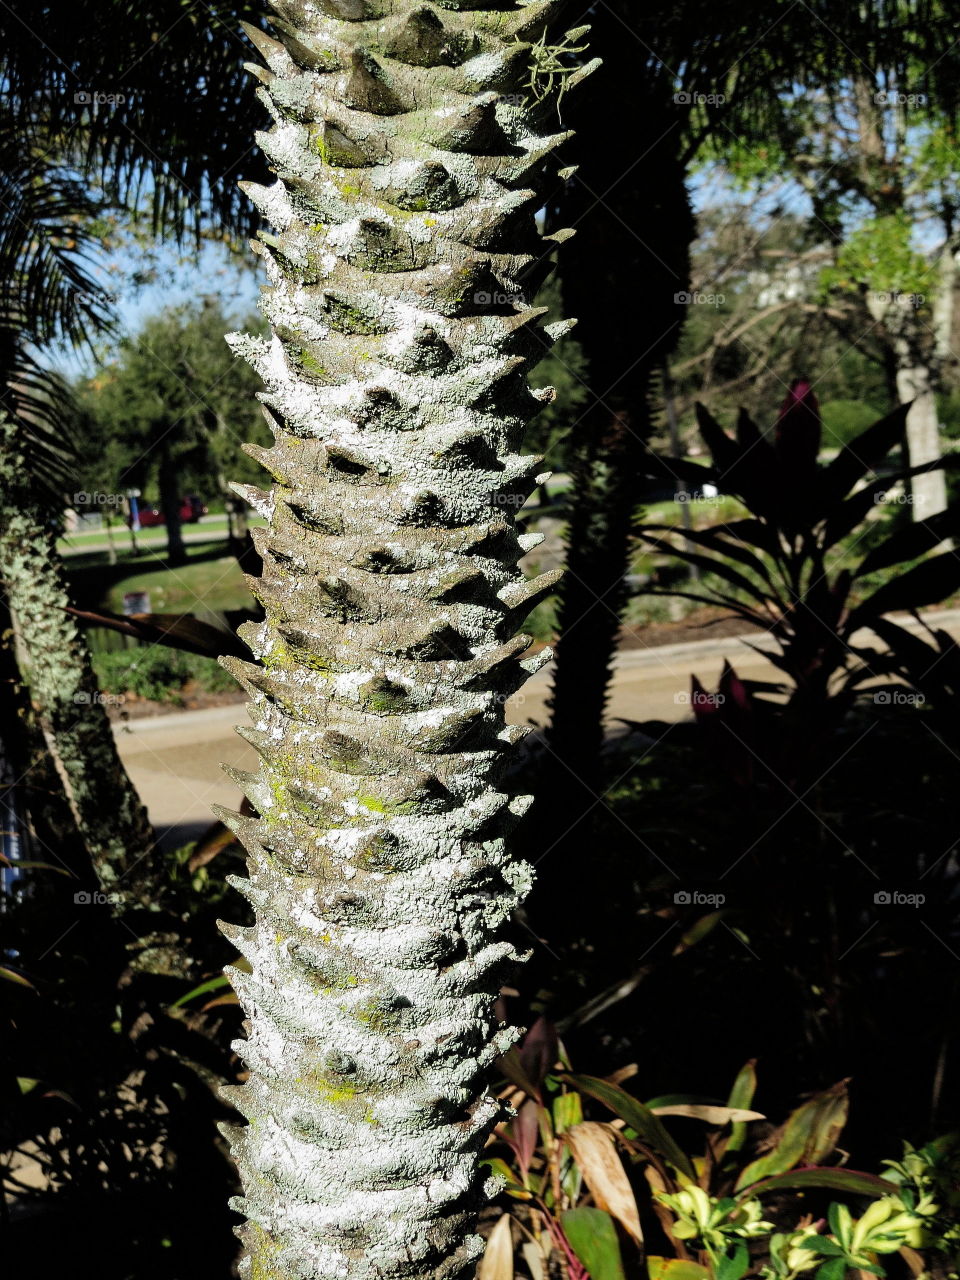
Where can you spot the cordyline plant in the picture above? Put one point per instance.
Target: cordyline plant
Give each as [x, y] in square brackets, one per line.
[792, 566]
[411, 155]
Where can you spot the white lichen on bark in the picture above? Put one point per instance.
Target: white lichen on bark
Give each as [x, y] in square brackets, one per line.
[110, 816]
[410, 167]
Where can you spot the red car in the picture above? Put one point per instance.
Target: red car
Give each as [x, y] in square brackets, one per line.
[191, 509]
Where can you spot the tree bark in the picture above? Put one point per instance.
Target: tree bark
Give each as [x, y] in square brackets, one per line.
[919, 354]
[409, 155]
[169, 484]
[40, 793]
[63, 686]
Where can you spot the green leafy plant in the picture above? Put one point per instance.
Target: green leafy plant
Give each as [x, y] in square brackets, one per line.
[594, 1198]
[807, 566]
[159, 673]
[790, 568]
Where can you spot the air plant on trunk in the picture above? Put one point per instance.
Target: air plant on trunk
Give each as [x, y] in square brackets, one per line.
[411, 159]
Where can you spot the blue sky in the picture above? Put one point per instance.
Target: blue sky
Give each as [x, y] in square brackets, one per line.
[173, 281]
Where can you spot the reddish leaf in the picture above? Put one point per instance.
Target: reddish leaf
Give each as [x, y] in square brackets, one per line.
[511, 1066]
[523, 1134]
[538, 1052]
[799, 426]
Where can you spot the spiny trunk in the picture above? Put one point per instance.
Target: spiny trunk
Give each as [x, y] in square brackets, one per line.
[169, 485]
[408, 157]
[646, 227]
[40, 794]
[241, 540]
[238, 538]
[63, 686]
[603, 502]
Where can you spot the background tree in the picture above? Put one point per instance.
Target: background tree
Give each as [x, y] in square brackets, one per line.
[47, 295]
[756, 300]
[95, 118]
[172, 409]
[874, 158]
[707, 78]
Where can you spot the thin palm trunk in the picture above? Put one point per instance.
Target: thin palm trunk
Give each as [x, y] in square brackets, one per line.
[40, 797]
[645, 224]
[63, 685]
[408, 155]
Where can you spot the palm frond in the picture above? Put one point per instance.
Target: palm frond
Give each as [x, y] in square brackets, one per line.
[40, 405]
[176, 116]
[47, 291]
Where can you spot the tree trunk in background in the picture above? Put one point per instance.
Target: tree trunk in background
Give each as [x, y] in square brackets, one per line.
[408, 161]
[169, 483]
[63, 686]
[241, 540]
[40, 796]
[629, 321]
[916, 383]
[919, 354]
[924, 443]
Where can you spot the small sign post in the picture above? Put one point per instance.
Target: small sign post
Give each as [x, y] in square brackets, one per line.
[135, 602]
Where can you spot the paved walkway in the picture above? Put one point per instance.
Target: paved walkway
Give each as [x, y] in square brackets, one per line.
[174, 760]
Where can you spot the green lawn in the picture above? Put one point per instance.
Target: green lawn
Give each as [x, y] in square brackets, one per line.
[153, 537]
[211, 581]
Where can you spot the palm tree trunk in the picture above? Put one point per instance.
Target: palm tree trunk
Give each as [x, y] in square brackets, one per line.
[645, 225]
[63, 686]
[39, 794]
[408, 160]
[169, 485]
[603, 502]
[921, 384]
